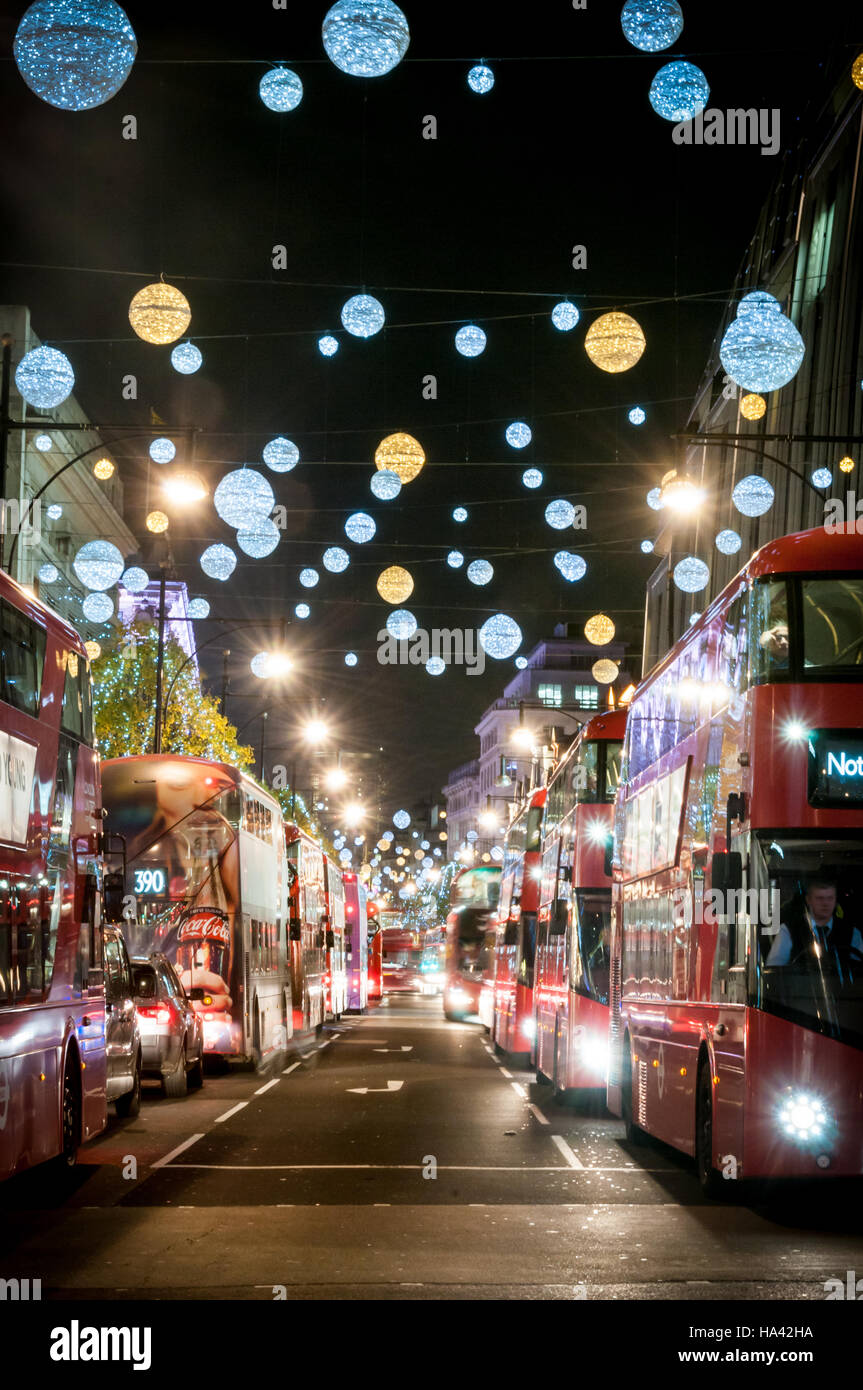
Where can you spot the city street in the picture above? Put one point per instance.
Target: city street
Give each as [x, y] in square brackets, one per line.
[319, 1179]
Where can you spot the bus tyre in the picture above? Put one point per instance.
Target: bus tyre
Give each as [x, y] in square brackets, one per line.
[712, 1183]
[129, 1104]
[70, 1118]
[176, 1084]
[634, 1134]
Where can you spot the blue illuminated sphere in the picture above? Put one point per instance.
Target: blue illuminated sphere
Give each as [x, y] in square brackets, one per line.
[727, 542]
[258, 538]
[518, 434]
[280, 89]
[761, 349]
[637, 416]
[363, 315]
[199, 608]
[44, 377]
[336, 560]
[281, 455]
[309, 578]
[532, 477]
[218, 561]
[822, 477]
[401, 821]
[385, 484]
[460, 514]
[651, 25]
[753, 496]
[435, 667]
[243, 496]
[565, 316]
[48, 574]
[302, 610]
[186, 358]
[521, 662]
[43, 443]
[401, 624]
[328, 346]
[480, 572]
[679, 91]
[360, 527]
[365, 38]
[135, 579]
[162, 451]
[480, 79]
[455, 559]
[654, 501]
[560, 514]
[572, 567]
[647, 547]
[98, 564]
[351, 658]
[75, 54]
[54, 512]
[691, 575]
[500, 636]
[470, 341]
[98, 608]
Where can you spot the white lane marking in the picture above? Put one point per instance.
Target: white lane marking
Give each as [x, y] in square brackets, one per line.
[292, 1067]
[181, 1148]
[504, 1072]
[269, 1084]
[220, 1119]
[324, 1044]
[538, 1113]
[572, 1159]
[519, 1089]
[390, 1089]
[391, 1167]
[394, 1049]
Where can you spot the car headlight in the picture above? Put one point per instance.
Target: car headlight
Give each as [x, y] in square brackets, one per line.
[803, 1117]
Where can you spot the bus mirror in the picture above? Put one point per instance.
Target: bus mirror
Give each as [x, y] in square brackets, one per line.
[331, 940]
[113, 892]
[727, 872]
[559, 917]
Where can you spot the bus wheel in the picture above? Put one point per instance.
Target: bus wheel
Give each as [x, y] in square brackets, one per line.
[634, 1134]
[712, 1184]
[70, 1137]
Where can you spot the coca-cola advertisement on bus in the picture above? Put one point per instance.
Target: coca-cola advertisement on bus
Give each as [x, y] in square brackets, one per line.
[177, 818]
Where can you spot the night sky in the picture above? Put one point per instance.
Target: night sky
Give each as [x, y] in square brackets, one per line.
[476, 226]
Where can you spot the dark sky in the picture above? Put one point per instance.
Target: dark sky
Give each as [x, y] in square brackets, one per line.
[476, 226]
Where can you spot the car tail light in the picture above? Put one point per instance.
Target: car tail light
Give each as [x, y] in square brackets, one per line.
[159, 1013]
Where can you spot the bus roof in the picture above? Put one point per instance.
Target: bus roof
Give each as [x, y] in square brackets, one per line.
[220, 776]
[27, 602]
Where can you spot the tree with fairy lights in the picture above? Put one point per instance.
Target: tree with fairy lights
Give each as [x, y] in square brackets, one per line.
[124, 687]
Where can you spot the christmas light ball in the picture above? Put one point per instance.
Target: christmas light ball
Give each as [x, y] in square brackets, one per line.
[281, 455]
[565, 316]
[846, 464]
[752, 407]
[162, 451]
[328, 346]
[75, 54]
[694, 619]
[654, 499]
[365, 38]
[691, 575]
[599, 630]
[186, 359]
[385, 485]
[44, 378]
[532, 478]
[560, 514]
[48, 574]
[259, 538]
[280, 89]
[336, 560]
[455, 559]
[518, 434]
[480, 79]
[103, 469]
[652, 25]
[395, 584]
[822, 477]
[243, 495]
[219, 562]
[728, 542]
[401, 821]
[160, 313]
[761, 349]
[93, 650]
[500, 636]
[679, 91]
[470, 341]
[637, 416]
[98, 564]
[309, 578]
[400, 454]
[605, 672]
[199, 608]
[857, 71]
[480, 572]
[135, 579]
[401, 624]
[521, 663]
[54, 512]
[614, 342]
[647, 547]
[753, 495]
[98, 608]
[351, 658]
[302, 610]
[363, 316]
[572, 567]
[260, 665]
[43, 443]
[360, 527]
[459, 514]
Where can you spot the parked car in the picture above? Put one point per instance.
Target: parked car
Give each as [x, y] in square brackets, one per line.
[122, 1032]
[171, 1032]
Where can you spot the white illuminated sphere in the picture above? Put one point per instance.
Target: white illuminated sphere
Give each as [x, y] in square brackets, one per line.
[653, 499]
[560, 514]
[43, 443]
[572, 567]
[135, 579]
[98, 608]
[163, 451]
[336, 560]
[385, 484]
[480, 572]
[98, 564]
[360, 527]
[460, 514]
[351, 658]
[521, 662]
[401, 624]
[260, 538]
[470, 341]
[728, 542]
[518, 434]
[637, 416]
[565, 316]
[365, 38]
[281, 455]
[54, 512]
[280, 89]
[302, 610]
[500, 636]
[186, 359]
[753, 495]
[401, 821]
[652, 25]
[218, 561]
[455, 559]
[647, 547]
[48, 574]
[363, 316]
[691, 575]
[822, 477]
[761, 350]
[243, 496]
[532, 477]
[309, 578]
[199, 608]
[44, 377]
[75, 54]
[480, 79]
[328, 346]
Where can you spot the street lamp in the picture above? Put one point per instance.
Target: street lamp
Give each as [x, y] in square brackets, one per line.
[680, 494]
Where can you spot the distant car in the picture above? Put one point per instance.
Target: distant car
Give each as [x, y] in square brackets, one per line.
[123, 1045]
[172, 1033]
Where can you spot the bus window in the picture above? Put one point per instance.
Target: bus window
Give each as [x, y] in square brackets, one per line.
[22, 657]
[590, 944]
[77, 715]
[832, 624]
[613, 757]
[771, 655]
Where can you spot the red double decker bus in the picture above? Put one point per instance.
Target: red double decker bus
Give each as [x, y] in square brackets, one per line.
[356, 944]
[513, 1027]
[401, 956]
[574, 928]
[470, 937]
[307, 911]
[53, 1067]
[374, 949]
[737, 951]
[335, 972]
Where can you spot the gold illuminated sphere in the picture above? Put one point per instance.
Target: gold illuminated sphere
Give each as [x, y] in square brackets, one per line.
[160, 314]
[157, 522]
[753, 406]
[857, 71]
[402, 455]
[395, 584]
[614, 342]
[93, 650]
[599, 630]
[103, 469]
[604, 672]
[846, 465]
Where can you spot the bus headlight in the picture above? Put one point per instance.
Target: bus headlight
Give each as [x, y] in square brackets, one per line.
[529, 1028]
[803, 1117]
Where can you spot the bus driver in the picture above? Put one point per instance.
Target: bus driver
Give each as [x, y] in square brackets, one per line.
[815, 925]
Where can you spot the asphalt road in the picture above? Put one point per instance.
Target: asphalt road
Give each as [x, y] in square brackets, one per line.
[399, 1159]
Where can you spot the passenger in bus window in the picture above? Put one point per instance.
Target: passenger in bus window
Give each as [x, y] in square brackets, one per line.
[815, 927]
[774, 646]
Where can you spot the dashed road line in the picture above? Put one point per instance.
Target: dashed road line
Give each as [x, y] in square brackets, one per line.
[181, 1148]
[292, 1067]
[275, 1081]
[572, 1159]
[535, 1110]
[220, 1119]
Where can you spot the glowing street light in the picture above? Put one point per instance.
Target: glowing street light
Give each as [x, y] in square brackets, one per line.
[185, 487]
[316, 731]
[523, 738]
[354, 814]
[488, 820]
[335, 779]
[680, 494]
